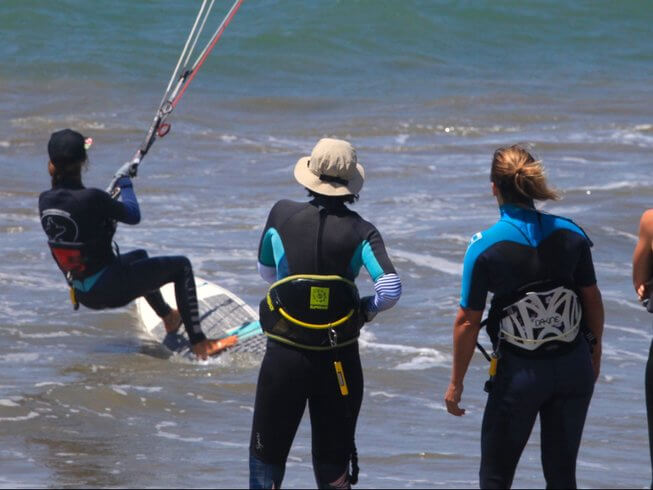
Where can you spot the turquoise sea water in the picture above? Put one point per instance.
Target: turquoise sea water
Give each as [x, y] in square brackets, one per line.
[426, 91]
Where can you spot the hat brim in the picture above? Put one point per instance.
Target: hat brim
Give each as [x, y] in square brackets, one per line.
[308, 179]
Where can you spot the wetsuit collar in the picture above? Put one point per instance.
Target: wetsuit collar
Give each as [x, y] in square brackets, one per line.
[516, 210]
[325, 202]
[525, 218]
[69, 183]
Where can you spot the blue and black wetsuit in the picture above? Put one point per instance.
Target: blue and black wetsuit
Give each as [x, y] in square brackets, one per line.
[322, 238]
[525, 247]
[73, 214]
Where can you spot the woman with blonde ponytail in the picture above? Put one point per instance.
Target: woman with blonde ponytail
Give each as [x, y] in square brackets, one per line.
[545, 323]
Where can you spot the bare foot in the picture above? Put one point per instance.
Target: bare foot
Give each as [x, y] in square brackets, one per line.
[172, 321]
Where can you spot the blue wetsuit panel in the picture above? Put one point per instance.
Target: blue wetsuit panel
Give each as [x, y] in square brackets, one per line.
[524, 246]
[272, 252]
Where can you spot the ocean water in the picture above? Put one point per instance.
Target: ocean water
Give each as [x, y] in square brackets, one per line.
[426, 91]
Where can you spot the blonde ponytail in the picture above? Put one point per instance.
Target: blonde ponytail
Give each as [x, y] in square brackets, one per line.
[519, 177]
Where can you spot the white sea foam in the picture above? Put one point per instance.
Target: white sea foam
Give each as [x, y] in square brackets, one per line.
[426, 357]
[8, 403]
[459, 239]
[402, 138]
[19, 357]
[438, 406]
[42, 335]
[596, 466]
[613, 231]
[610, 186]
[634, 331]
[384, 394]
[170, 435]
[633, 305]
[422, 362]
[574, 159]
[623, 354]
[228, 138]
[29, 416]
[231, 444]
[145, 389]
[432, 262]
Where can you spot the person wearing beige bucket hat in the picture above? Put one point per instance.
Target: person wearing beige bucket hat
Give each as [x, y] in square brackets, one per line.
[332, 169]
[312, 252]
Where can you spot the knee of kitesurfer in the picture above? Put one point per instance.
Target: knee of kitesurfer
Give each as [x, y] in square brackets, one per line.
[313, 252]
[539, 263]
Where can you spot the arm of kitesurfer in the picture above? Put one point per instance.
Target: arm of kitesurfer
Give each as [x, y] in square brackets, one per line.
[585, 279]
[269, 244]
[465, 334]
[387, 284]
[643, 256]
[594, 317]
[474, 290]
[126, 210]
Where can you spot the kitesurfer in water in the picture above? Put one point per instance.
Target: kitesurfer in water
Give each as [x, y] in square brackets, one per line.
[312, 252]
[545, 322]
[643, 283]
[80, 223]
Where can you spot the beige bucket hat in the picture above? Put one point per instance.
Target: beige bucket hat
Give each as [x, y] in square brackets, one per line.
[332, 169]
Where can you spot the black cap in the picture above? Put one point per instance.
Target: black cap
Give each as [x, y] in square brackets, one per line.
[66, 147]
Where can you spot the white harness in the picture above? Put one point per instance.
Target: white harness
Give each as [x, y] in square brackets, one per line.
[541, 317]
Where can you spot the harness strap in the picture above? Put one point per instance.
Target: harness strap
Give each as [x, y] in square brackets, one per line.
[315, 325]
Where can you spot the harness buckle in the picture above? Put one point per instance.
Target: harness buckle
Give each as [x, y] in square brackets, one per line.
[333, 337]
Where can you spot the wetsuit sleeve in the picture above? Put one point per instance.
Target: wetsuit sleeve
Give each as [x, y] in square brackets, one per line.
[387, 284]
[374, 256]
[475, 286]
[270, 249]
[265, 248]
[584, 275]
[126, 211]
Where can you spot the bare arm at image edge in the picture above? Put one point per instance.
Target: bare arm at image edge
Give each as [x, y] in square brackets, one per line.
[643, 255]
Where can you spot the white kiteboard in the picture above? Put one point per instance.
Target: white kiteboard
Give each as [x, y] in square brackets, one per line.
[222, 314]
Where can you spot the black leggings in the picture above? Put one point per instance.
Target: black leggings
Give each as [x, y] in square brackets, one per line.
[134, 274]
[290, 377]
[559, 389]
[649, 400]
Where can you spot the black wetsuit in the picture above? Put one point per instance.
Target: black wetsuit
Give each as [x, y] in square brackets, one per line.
[522, 248]
[72, 213]
[312, 238]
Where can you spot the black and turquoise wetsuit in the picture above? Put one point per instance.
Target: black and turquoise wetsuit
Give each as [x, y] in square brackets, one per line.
[523, 247]
[321, 238]
[73, 214]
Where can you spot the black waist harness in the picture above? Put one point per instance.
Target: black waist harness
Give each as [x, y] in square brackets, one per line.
[72, 259]
[315, 312]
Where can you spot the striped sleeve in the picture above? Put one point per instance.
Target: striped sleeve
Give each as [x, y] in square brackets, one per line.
[387, 289]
